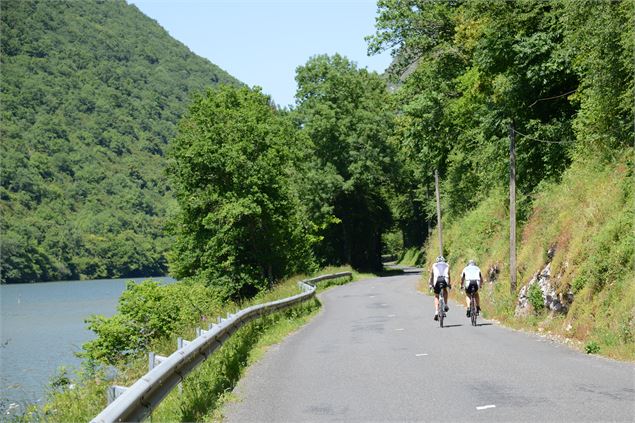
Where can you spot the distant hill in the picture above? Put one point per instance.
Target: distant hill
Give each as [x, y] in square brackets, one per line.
[91, 92]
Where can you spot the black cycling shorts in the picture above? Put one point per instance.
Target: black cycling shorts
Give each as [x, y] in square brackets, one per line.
[440, 284]
[472, 287]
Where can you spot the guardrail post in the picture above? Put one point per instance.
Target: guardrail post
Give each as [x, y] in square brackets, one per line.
[180, 342]
[154, 360]
[114, 391]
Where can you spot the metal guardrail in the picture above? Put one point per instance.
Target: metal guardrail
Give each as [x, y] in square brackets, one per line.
[138, 401]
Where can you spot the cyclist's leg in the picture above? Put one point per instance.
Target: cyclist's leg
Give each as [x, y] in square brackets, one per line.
[478, 300]
[436, 290]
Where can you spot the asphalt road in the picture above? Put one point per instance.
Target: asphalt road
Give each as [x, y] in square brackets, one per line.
[375, 354]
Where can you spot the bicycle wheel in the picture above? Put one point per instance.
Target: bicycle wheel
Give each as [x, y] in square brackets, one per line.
[473, 311]
[441, 311]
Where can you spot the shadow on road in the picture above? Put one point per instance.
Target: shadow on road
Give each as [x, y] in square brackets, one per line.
[451, 326]
[484, 324]
[390, 272]
[396, 271]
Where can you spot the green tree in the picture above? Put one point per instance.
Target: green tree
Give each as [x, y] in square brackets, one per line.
[344, 110]
[472, 69]
[240, 225]
[600, 37]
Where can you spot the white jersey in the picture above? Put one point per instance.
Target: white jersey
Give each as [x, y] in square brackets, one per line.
[440, 269]
[471, 273]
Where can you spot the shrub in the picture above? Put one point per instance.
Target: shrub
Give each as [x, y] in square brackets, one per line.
[534, 295]
[592, 347]
[147, 312]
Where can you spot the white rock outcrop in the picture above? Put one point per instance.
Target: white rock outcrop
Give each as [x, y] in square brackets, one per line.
[552, 300]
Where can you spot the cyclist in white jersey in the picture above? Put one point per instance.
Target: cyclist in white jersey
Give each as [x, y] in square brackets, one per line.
[472, 280]
[440, 280]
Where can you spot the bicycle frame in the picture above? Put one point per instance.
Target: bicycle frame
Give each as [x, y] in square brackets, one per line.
[473, 310]
[441, 308]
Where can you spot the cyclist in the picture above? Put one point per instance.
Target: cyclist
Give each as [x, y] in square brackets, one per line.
[471, 280]
[440, 280]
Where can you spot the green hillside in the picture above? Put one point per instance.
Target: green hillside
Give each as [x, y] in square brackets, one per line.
[575, 257]
[91, 93]
[558, 76]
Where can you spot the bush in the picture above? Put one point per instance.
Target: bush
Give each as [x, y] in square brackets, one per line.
[147, 312]
[392, 243]
[592, 347]
[534, 295]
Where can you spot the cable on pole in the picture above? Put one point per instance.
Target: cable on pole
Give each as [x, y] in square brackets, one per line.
[539, 140]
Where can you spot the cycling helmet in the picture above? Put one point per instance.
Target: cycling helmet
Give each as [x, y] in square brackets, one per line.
[440, 259]
[471, 263]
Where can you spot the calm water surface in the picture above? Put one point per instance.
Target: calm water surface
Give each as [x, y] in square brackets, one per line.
[42, 326]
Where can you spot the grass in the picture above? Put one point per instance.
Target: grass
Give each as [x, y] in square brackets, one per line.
[411, 257]
[587, 218]
[209, 387]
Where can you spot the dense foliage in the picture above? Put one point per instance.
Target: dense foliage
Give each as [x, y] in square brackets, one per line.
[147, 312]
[241, 225]
[560, 72]
[345, 111]
[91, 93]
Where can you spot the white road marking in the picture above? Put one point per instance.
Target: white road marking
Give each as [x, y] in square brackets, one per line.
[400, 329]
[372, 296]
[421, 355]
[384, 304]
[484, 407]
[392, 315]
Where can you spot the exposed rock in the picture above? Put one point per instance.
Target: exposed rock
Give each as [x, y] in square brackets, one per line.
[492, 272]
[552, 301]
[551, 252]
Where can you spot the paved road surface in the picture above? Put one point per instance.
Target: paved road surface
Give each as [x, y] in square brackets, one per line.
[375, 354]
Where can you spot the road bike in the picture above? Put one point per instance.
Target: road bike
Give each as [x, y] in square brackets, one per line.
[473, 309]
[441, 308]
[442, 286]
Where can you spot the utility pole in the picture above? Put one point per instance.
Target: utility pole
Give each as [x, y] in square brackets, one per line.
[512, 209]
[436, 187]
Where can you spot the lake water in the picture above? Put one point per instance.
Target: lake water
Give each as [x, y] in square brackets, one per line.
[42, 326]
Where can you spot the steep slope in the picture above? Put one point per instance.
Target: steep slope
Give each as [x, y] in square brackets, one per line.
[576, 254]
[91, 93]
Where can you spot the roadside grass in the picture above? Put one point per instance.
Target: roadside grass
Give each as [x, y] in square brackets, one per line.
[412, 257]
[209, 387]
[205, 389]
[586, 221]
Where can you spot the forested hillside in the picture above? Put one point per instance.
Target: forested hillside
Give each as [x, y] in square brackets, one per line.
[91, 93]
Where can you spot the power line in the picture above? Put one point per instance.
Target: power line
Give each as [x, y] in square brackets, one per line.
[552, 98]
[536, 139]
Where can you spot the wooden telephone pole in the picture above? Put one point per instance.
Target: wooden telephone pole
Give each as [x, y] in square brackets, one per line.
[512, 209]
[436, 187]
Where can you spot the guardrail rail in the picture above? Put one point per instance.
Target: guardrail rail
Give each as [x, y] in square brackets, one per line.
[137, 401]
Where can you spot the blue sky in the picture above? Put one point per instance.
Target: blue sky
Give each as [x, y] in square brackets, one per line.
[262, 42]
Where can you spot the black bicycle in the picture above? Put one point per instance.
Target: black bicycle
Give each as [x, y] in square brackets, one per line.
[473, 309]
[441, 308]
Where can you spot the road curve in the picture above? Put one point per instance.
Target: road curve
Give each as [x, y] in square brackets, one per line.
[375, 354]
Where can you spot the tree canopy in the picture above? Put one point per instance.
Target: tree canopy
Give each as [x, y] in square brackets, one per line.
[240, 225]
[465, 71]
